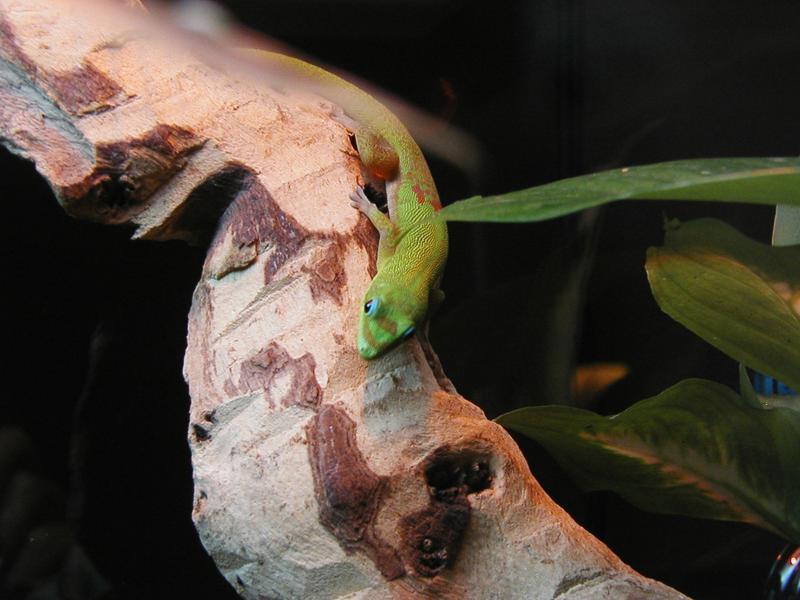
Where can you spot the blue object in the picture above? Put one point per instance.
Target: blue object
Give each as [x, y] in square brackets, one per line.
[768, 386]
[783, 581]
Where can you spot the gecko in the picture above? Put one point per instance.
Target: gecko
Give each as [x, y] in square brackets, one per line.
[412, 246]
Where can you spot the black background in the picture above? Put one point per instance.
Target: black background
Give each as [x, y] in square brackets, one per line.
[95, 324]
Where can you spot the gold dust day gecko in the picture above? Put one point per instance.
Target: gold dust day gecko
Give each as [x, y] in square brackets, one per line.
[412, 250]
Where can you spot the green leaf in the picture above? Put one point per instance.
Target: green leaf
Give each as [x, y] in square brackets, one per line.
[737, 294]
[696, 449]
[756, 180]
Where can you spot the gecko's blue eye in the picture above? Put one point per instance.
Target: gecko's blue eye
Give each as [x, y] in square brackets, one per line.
[371, 306]
[408, 332]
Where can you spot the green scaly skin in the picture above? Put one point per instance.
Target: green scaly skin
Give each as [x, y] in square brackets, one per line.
[413, 249]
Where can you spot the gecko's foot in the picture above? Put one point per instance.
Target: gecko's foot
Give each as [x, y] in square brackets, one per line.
[359, 200]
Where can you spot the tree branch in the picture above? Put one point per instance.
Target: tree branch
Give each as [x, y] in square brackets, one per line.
[317, 474]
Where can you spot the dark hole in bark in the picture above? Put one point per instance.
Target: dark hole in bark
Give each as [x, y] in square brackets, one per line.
[453, 473]
[377, 197]
[435, 561]
[115, 191]
[200, 432]
[433, 535]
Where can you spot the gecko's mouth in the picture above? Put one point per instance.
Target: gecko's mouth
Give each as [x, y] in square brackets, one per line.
[366, 351]
[370, 351]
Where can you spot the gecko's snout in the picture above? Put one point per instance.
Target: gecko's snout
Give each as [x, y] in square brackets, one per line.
[366, 351]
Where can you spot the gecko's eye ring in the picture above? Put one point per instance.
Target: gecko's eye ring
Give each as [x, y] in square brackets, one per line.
[371, 307]
[408, 332]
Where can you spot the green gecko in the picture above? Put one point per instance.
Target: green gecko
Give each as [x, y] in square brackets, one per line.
[412, 249]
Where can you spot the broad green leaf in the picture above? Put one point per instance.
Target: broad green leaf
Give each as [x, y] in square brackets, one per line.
[737, 294]
[696, 449]
[756, 180]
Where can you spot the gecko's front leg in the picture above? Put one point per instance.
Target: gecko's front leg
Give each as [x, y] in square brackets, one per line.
[387, 230]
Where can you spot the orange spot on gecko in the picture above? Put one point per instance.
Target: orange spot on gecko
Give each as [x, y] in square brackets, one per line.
[417, 189]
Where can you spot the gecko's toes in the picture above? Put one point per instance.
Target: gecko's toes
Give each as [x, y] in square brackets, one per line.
[359, 194]
[359, 200]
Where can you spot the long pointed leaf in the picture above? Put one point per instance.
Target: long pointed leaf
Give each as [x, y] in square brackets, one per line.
[696, 449]
[739, 295]
[756, 180]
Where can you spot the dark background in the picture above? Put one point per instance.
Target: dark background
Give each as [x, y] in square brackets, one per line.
[95, 324]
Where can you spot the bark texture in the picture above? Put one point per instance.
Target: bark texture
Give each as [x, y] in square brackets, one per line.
[317, 475]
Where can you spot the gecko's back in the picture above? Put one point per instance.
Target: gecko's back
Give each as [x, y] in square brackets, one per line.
[413, 248]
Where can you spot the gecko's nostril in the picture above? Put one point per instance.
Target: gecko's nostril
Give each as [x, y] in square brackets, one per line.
[364, 350]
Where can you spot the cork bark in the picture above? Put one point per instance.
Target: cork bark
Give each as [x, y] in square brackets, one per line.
[317, 474]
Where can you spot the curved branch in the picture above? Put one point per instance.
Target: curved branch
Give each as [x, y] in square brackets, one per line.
[317, 475]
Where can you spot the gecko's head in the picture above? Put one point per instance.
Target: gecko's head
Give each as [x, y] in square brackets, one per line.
[388, 317]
